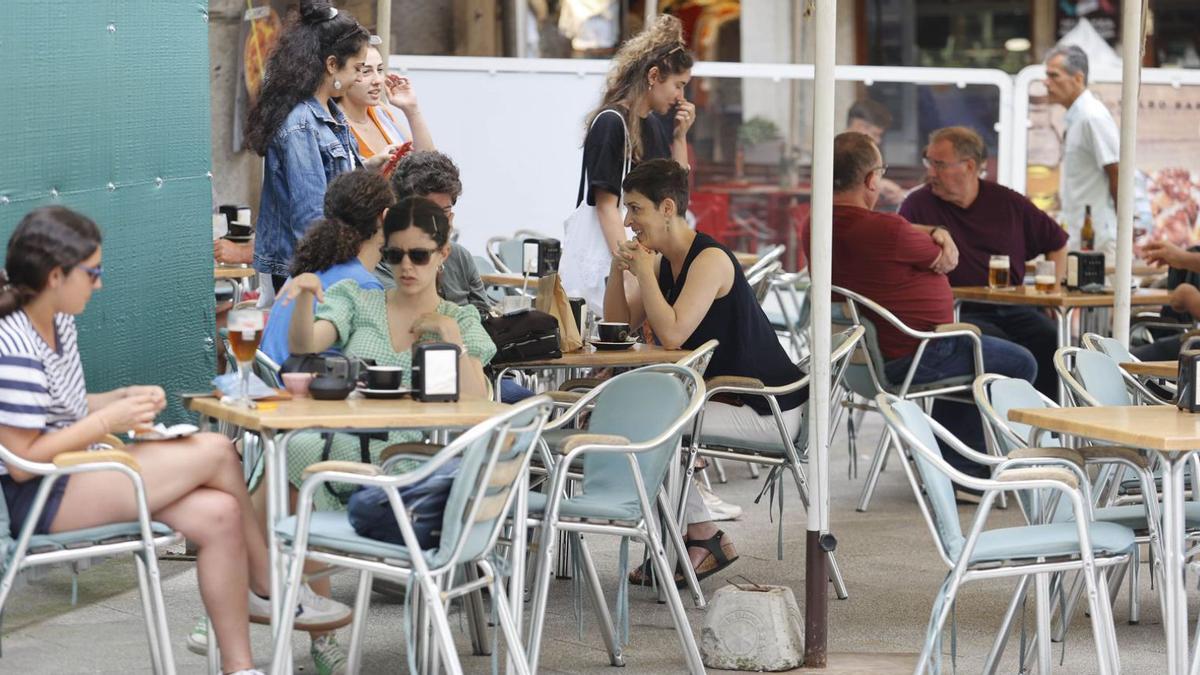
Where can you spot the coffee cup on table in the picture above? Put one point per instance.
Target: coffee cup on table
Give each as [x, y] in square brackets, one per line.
[613, 331]
[240, 230]
[384, 378]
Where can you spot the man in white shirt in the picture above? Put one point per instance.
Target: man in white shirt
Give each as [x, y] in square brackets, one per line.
[1088, 173]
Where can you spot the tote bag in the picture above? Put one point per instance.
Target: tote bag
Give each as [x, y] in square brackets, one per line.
[586, 259]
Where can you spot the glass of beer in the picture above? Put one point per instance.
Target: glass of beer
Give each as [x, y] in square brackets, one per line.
[1045, 278]
[998, 272]
[245, 332]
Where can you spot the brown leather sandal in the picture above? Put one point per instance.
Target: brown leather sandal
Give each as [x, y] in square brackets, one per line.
[720, 555]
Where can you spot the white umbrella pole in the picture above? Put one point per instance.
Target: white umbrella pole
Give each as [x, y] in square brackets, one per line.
[1131, 65]
[383, 26]
[816, 586]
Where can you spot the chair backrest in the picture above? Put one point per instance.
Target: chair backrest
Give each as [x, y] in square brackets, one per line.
[865, 374]
[841, 345]
[996, 395]
[1108, 345]
[655, 402]
[495, 454]
[760, 279]
[913, 427]
[506, 253]
[766, 259]
[699, 357]
[267, 369]
[1094, 378]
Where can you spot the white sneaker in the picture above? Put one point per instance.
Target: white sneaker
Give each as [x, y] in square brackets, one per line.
[315, 614]
[197, 640]
[717, 507]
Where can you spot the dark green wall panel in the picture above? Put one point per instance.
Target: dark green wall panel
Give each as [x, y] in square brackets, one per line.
[107, 112]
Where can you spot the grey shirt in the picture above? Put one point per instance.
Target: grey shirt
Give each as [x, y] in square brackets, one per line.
[458, 283]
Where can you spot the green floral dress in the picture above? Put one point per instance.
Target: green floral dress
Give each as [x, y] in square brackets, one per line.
[360, 317]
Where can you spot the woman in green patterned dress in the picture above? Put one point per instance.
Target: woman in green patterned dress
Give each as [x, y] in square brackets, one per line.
[384, 325]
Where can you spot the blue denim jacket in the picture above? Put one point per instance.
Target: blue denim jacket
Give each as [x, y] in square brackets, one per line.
[308, 150]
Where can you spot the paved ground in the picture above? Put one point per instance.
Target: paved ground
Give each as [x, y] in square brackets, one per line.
[887, 555]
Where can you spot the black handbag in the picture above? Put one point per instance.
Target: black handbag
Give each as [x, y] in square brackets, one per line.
[523, 336]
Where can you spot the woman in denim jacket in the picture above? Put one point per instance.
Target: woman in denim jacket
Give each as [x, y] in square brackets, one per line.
[300, 130]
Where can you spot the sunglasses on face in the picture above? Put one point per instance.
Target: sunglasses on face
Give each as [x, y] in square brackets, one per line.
[418, 256]
[93, 272]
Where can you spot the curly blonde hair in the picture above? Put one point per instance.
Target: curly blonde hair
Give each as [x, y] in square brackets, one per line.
[659, 46]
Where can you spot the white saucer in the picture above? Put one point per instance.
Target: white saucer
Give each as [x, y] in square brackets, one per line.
[385, 393]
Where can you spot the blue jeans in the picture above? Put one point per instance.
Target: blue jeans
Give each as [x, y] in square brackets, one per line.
[949, 357]
[511, 392]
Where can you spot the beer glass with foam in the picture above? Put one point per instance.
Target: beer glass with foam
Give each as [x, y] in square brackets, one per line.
[245, 332]
[998, 272]
[1045, 278]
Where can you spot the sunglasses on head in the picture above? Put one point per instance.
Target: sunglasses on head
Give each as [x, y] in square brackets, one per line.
[418, 256]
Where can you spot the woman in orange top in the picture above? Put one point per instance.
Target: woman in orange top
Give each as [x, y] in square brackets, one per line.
[372, 120]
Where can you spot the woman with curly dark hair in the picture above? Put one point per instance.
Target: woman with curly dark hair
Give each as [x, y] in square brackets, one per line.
[345, 244]
[299, 129]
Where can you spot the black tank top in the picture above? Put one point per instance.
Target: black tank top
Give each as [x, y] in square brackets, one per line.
[748, 345]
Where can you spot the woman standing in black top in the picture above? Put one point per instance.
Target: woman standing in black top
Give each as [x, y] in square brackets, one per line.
[644, 97]
[690, 289]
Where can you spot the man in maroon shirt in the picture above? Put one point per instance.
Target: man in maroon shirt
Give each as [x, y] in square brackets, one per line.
[987, 219]
[902, 267]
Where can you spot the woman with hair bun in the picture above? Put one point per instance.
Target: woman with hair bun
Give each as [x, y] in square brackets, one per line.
[194, 484]
[343, 245]
[298, 128]
[643, 115]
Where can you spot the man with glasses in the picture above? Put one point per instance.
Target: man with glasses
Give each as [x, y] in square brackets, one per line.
[896, 264]
[987, 219]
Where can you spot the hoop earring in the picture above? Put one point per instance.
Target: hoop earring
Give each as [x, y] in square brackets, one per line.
[337, 84]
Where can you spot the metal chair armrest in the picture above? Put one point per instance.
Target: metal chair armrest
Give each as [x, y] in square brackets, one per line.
[957, 326]
[573, 442]
[1022, 475]
[344, 467]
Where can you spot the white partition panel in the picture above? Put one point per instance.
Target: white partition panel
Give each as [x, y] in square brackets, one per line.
[515, 126]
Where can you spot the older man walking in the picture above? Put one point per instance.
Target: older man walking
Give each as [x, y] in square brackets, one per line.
[1088, 174]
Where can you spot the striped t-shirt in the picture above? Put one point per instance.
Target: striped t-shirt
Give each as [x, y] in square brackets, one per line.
[40, 388]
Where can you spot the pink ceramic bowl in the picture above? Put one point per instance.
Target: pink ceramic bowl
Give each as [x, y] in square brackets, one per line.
[297, 383]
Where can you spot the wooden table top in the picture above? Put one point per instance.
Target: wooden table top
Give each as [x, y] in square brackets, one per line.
[746, 259]
[511, 280]
[352, 413]
[233, 272]
[1167, 370]
[590, 357]
[1157, 427]
[1027, 295]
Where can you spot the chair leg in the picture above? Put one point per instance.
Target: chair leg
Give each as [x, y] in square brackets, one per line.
[160, 608]
[508, 628]
[541, 588]
[148, 614]
[683, 628]
[753, 470]
[931, 640]
[476, 621]
[993, 659]
[607, 631]
[282, 651]
[864, 500]
[835, 571]
[1041, 584]
[441, 629]
[362, 604]
[1135, 574]
[676, 539]
[1067, 611]
[720, 467]
[214, 649]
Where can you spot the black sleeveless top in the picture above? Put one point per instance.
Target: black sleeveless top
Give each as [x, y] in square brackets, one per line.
[748, 345]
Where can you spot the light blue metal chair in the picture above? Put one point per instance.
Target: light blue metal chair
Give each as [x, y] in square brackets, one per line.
[25, 550]
[996, 395]
[865, 377]
[633, 435]
[786, 454]
[494, 457]
[1036, 551]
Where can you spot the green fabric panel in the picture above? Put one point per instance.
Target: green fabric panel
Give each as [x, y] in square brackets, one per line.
[109, 115]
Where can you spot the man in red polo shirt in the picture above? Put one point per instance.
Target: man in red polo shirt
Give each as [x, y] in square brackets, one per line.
[901, 266]
[986, 219]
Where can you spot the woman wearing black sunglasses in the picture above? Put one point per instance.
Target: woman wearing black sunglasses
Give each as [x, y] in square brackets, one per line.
[384, 325]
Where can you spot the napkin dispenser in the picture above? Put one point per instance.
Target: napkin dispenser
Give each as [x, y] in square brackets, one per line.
[435, 371]
[1083, 268]
[540, 256]
[1186, 385]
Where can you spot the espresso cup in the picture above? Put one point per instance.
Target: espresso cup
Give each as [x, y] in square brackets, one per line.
[384, 378]
[297, 383]
[613, 331]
